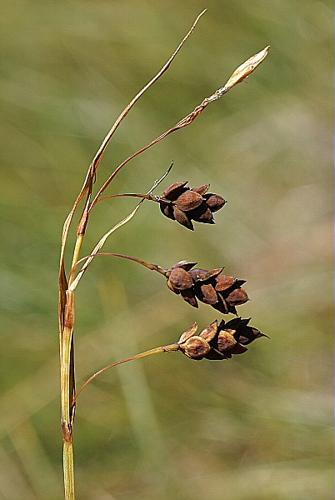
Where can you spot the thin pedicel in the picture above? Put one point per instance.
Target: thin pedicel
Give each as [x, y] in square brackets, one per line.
[215, 342]
[221, 291]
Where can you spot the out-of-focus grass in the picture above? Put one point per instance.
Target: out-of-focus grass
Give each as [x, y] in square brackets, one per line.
[257, 427]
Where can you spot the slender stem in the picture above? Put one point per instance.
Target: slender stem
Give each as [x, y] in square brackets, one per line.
[75, 258]
[67, 391]
[68, 380]
[149, 197]
[127, 160]
[68, 470]
[155, 350]
[66, 405]
[148, 265]
[65, 372]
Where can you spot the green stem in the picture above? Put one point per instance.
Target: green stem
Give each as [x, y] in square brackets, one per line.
[149, 197]
[67, 403]
[155, 350]
[148, 265]
[68, 470]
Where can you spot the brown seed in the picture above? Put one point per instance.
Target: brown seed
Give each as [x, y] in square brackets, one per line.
[189, 200]
[174, 190]
[203, 214]
[224, 282]
[189, 297]
[179, 279]
[206, 217]
[199, 274]
[244, 334]
[214, 202]
[188, 333]
[201, 189]
[170, 287]
[215, 272]
[237, 297]
[209, 333]
[198, 213]
[208, 294]
[226, 340]
[238, 349]
[235, 324]
[249, 334]
[182, 218]
[231, 309]
[184, 264]
[221, 306]
[204, 275]
[214, 354]
[195, 348]
[239, 283]
[167, 209]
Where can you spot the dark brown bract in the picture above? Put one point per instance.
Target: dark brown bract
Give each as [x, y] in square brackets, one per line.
[211, 287]
[218, 341]
[184, 204]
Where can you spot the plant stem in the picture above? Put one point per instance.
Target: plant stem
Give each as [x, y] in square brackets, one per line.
[66, 409]
[68, 380]
[144, 196]
[155, 350]
[148, 265]
[75, 258]
[68, 470]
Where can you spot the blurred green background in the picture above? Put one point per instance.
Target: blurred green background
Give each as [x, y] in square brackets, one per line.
[257, 427]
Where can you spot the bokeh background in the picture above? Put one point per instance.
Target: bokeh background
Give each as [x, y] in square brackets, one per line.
[257, 427]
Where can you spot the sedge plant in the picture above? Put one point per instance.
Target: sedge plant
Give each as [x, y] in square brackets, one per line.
[186, 205]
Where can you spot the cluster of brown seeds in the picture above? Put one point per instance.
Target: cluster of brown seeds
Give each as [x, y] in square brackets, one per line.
[221, 291]
[211, 287]
[185, 204]
[218, 341]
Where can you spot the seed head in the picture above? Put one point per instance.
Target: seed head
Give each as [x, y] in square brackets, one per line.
[184, 204]
[218, 341]
[220, 291]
